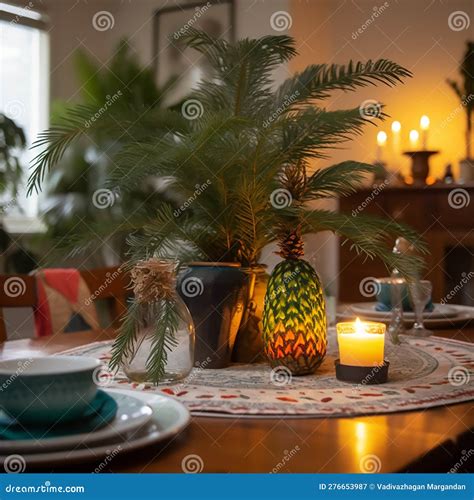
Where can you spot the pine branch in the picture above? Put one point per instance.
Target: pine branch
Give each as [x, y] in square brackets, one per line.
[163, 340]
[124, 343]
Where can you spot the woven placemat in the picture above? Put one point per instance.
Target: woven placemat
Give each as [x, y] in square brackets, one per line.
[424, 373]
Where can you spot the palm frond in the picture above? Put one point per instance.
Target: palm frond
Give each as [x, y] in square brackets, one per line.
[318, 80]
[368, 236]
[341, 179]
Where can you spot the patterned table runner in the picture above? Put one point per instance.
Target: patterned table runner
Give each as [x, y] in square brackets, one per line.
[423, 373]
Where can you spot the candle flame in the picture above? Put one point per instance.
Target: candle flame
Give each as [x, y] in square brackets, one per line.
[414, 136]
[381, 138]
[424, 122]
[396, 127]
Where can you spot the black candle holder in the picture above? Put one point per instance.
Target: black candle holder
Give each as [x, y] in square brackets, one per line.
[367, 375]
[420, 167]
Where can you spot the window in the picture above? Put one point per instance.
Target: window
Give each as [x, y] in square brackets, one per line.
[24, 80]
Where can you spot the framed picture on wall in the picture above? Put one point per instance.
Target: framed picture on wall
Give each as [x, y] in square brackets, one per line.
[171, 57]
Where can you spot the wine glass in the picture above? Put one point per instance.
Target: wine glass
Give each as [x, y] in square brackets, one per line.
[420, 294]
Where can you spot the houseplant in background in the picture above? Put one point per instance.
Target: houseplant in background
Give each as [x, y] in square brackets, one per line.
[112, 98]
[242, 146]
[13, 258]
[465, 92]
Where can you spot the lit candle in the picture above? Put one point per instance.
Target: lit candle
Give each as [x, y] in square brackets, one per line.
[381, 142]
[414, 138]
[424, 125]
[396, 127]
[361, 343]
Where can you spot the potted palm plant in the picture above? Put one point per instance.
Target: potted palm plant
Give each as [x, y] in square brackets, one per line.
[241, 165]
[465, 92]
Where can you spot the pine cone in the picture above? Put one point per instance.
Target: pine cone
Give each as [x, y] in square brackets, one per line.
[292, 247]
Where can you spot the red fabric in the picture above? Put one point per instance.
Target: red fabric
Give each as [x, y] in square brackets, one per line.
[64, 281]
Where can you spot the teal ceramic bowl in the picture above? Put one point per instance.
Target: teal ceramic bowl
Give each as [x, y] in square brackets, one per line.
[384, 296]
[47, 390]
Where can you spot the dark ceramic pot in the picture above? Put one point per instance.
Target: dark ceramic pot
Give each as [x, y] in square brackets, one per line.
[248, 346]
[216, 294]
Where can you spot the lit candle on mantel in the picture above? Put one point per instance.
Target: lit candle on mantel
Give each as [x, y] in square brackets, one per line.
[424, 126]
[361, 343]
[414, 138]
[396, 127]
[381, 142]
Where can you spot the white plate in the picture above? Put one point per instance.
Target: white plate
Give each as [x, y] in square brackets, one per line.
[168, 419]
[132, 413]
[463, 315]
[439, 311]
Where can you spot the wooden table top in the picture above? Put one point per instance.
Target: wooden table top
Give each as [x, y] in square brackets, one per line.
[418, 441]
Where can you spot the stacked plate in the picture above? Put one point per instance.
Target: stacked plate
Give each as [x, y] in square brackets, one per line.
[142, 419]
[442, 315]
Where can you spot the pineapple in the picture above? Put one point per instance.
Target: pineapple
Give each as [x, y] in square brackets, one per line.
[294, 318]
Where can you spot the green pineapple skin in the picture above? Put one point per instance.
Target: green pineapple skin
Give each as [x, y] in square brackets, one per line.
[295, 307]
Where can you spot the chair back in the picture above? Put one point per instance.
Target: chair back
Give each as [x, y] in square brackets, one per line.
[19, 290]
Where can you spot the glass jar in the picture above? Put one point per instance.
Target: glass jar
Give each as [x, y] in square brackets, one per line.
[179, 359]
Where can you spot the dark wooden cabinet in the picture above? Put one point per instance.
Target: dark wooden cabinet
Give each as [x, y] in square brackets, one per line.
[443, 214]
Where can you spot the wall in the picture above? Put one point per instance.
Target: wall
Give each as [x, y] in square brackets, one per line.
[71, 28]
[413, 33]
